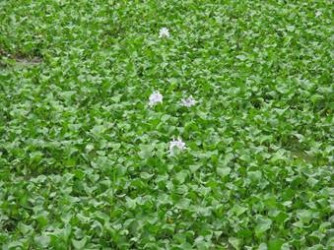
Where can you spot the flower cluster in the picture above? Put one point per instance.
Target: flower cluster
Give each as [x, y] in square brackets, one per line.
[164, 33]
[179, 144]
[188, 102]
[157, 98]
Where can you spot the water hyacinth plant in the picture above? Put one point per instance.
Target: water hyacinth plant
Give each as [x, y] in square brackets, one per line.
[93, 95]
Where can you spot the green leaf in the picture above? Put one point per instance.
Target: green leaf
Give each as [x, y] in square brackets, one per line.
[79, 244]
[235, 242]
[263, 225]
[305, 215]
[146, 151]
[239, 210]
[223, 171]
[42, 240]
[146, 176]
[275, 244]
[263, 246]
[316, 98]
[255, 175]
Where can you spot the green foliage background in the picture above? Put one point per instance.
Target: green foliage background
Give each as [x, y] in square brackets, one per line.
[84, 161]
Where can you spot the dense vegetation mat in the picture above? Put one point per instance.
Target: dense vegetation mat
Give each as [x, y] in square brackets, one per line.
[176, 124]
